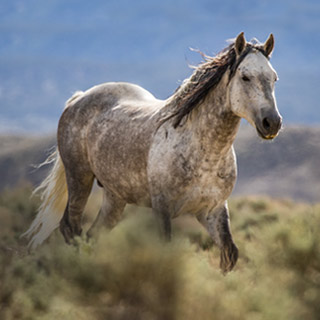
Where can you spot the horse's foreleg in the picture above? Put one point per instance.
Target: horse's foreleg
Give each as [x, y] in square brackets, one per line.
[161, 211]
[78, 193]
[109, 215]
[218, 225]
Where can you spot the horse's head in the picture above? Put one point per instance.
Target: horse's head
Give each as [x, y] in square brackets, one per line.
[252, 87]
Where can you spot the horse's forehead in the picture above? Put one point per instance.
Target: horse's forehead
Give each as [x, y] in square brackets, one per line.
[257, 63]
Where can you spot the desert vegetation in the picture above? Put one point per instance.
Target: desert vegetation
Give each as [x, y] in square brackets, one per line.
[130, 274]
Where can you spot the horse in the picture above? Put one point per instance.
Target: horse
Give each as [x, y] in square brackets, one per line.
[175, 155]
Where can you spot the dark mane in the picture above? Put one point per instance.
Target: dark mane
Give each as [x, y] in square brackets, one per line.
[205, 78]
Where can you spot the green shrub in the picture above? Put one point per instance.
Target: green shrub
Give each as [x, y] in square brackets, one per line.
[129, 273]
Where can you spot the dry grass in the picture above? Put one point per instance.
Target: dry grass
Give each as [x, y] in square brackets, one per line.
[130, 274]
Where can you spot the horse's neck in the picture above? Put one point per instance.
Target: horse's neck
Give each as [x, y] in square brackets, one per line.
[214, 123]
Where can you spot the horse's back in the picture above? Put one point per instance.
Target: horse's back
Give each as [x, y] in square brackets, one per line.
[124, 91]
[110, 94]
[109, 100]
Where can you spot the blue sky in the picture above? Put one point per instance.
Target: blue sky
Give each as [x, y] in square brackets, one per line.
[49, 49]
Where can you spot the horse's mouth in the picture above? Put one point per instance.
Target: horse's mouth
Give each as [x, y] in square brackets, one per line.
[266, 136]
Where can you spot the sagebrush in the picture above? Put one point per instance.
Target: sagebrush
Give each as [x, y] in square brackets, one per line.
[130, 273]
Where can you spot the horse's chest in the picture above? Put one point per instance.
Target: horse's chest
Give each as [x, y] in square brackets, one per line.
[194, 182]
[210, 183]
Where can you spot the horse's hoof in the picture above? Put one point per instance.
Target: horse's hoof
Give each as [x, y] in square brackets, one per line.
[90, 235]
[68, 231]
[228, 257]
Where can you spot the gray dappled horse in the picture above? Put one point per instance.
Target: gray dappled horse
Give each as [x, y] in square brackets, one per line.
[175, 155]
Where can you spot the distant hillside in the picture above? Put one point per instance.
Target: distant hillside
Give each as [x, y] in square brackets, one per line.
[18, 157]
[287, 167]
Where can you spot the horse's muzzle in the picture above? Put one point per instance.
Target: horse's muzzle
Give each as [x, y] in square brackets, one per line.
[269, 125]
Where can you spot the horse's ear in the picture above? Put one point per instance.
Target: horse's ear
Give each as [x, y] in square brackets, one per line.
[240, 44]
[269, 45]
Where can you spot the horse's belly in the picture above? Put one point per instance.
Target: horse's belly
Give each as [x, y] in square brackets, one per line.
[118, 146]
[128, 185]
[122, 172]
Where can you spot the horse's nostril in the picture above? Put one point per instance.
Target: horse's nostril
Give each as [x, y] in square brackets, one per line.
[266, 124]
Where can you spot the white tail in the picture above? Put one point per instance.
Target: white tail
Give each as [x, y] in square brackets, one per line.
[53, 194]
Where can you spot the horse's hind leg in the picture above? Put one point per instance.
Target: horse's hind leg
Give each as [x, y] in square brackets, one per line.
[218, 225]
[79, 188]
[110, 213]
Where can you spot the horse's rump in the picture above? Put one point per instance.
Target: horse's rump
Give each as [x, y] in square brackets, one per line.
[110, 134]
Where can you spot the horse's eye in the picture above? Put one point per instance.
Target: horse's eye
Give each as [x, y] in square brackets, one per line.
[245, 78]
